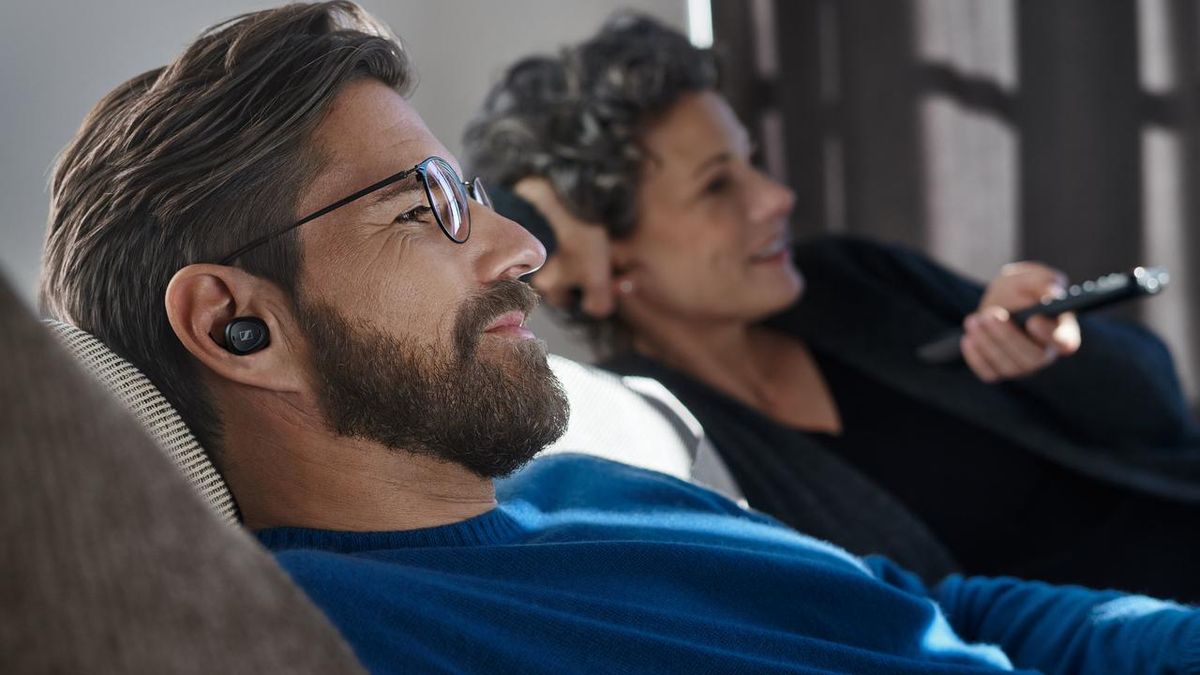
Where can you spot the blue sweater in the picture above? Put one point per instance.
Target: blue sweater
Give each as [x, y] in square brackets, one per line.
[593, 566]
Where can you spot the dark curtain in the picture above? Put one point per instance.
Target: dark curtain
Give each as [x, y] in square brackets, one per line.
[986, 131]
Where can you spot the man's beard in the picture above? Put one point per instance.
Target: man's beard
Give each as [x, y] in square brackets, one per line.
[490, 412]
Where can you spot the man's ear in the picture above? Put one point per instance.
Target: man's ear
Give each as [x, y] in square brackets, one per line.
[202, 299]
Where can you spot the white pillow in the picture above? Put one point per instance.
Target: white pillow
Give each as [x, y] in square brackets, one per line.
[636, 420]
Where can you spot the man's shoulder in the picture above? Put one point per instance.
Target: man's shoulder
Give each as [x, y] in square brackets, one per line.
[584, 489]
[568, 481]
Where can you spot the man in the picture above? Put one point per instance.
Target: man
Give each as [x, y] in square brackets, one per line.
[265, 228]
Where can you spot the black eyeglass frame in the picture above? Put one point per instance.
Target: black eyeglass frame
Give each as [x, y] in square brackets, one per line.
[472, 191]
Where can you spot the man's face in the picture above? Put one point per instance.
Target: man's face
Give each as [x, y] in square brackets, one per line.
[412, 336]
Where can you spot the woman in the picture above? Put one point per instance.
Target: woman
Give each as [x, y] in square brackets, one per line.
[1029, 459]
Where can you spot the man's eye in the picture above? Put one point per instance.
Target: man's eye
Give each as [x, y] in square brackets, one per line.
[414, 215]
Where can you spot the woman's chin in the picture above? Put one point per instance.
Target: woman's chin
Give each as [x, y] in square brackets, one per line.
[784, 288]
[787, 299]
[766, 302]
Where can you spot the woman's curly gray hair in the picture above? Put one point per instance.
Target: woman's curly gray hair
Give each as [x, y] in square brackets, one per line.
[578, 119]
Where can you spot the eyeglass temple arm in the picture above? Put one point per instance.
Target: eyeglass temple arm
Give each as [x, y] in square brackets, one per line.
[317, 214]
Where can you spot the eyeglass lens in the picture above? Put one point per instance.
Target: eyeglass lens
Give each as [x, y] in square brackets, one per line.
[448, 200]
[479, 194]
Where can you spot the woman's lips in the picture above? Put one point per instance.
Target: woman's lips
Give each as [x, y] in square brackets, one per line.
[775, 258]
[773, 250]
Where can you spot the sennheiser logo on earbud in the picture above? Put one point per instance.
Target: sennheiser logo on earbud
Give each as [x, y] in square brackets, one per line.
[245, 334]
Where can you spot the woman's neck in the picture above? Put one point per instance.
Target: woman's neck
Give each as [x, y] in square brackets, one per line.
[763, 369]
[725, 355]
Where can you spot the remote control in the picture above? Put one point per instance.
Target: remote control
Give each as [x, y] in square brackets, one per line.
[1107, 290]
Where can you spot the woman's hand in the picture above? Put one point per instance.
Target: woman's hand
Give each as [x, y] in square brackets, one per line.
[583, 258]
[996, 349]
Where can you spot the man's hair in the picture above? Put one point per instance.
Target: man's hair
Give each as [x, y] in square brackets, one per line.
[578, 120]
[185, 163]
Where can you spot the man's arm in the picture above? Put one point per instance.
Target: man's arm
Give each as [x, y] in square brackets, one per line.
[1062, 629]
[1072, 629]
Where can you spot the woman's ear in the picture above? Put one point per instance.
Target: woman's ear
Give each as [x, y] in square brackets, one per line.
[623, 256]
[203, 299]
[625, 267]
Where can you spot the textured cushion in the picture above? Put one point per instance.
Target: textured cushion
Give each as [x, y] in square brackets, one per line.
[141, 397]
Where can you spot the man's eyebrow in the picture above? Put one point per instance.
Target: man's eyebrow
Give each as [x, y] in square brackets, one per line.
[391, 192]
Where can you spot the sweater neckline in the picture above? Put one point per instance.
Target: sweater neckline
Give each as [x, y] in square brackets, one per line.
[497, 526]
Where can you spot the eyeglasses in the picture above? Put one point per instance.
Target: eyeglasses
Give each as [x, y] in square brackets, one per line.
[446, 193]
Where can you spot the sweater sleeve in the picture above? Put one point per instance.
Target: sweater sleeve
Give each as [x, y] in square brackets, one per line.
[1068, 629]
[1061, 629]
[1120, 388]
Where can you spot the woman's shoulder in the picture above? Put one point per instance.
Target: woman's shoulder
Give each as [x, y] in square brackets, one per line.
[842, 249]
[887, 267]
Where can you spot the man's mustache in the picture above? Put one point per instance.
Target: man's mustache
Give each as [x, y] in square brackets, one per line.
[482, 309]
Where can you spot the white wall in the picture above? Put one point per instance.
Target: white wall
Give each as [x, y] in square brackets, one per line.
[58, 57]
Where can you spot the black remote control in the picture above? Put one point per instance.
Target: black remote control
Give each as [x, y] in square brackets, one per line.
[1107, 290]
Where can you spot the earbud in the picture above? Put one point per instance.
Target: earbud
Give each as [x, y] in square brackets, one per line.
[246, 334]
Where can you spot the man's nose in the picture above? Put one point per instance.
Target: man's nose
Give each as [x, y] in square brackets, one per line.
[505, 249]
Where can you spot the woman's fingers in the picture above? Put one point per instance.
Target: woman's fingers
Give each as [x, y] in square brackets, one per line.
[549, 283]
[1005, 351]
[1021, 284]
[1061, 332]
[976, 361]
[595, 278]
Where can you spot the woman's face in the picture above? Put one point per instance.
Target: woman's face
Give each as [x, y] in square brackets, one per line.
[711, 241]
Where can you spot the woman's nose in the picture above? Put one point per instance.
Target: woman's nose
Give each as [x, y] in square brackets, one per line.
[770, 200]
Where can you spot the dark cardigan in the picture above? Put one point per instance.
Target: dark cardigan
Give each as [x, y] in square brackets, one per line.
[1114, 411]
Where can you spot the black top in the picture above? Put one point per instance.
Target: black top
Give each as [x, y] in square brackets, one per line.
[940, 494]
[999, 509]
[788, 474]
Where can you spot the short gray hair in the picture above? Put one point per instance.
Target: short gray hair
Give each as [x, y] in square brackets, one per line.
[578, 119]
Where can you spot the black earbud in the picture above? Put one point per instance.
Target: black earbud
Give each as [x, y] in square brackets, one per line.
[246, 334]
